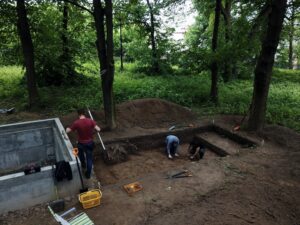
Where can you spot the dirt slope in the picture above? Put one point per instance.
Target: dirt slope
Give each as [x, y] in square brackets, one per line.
[144, 113]
[261, 186]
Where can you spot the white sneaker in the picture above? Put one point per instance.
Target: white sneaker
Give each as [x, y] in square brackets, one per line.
[176, 154]
[170, 157]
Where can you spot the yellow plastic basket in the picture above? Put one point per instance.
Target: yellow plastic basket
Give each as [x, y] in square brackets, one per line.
[90, 198]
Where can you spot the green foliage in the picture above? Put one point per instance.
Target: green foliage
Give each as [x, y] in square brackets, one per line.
[10, 52]
[286, 75]
[136, 32]
[189, 90]
[12, 92]
[289, 34]
[237, 49]
[52, 66]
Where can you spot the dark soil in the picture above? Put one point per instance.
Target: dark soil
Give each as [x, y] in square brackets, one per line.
[252, 186]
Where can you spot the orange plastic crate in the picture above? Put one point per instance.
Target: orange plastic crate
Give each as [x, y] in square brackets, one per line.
[90, 198]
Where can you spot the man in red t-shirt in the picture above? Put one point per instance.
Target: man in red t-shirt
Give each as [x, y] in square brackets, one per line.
[85, 128]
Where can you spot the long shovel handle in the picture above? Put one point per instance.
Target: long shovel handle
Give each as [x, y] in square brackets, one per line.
[101, 141]
[91, 116]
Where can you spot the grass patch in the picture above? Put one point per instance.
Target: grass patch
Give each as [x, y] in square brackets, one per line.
[189, 90]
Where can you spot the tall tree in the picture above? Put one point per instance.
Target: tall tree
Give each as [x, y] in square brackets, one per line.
[264, 65]
[28, 52]
[65, 55]
[103, 16]
[121, 14]
[226, 12]
[105, 54]
[155, 64]
[121, 48]
[291, 25]
[148, 16]
[214, 64]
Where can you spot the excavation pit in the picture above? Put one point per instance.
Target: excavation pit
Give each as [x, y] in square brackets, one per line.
[149, 156]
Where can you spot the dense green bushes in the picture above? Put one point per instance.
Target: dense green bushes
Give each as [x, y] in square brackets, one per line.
[190, 91]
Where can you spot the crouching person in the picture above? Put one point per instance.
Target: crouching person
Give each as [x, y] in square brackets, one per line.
[196, 150]
[172, 144]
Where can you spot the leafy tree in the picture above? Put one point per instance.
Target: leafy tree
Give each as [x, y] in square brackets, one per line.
[264, 65]
[286, 56]
[103, 16]
[28, 52]
[105, 53]
[10, 49]
[144, 19]
[226, 12]
[214, 65]
[241, 26]
[59, 39]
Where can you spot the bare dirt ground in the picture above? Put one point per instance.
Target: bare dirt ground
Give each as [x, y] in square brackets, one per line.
[253, 186]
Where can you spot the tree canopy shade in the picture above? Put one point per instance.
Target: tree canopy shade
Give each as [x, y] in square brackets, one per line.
[56, 39]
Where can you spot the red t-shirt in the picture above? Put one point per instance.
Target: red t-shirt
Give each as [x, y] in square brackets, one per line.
[84, 128]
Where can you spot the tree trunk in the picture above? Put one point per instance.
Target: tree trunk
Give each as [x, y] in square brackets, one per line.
[105, 55]
[227, 75]
[65, 57]
[214, 65]
[291, 37]
[100, 34]
[28, 52]
[155, 64]
[108, 78]
[263, 70]
[121, 47]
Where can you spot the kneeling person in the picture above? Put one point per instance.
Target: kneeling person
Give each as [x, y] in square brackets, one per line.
[196, 150]
[172, 143]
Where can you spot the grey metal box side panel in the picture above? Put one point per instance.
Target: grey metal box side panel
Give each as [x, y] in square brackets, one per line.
[25, 191]
[24, 139]
[29, 125]
[19, 159]
[37, 188]
[21, 148]
[63, 143]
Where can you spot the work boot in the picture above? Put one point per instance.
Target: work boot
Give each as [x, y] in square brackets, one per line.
[87, 176]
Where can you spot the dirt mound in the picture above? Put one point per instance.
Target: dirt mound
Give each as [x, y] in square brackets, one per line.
[152, 113]
[282, 135]
[119, 152]
[145, 113]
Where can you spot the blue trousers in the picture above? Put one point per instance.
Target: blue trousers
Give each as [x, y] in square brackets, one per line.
[85, 153]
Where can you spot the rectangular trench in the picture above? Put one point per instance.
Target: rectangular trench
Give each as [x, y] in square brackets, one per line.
[151, 157]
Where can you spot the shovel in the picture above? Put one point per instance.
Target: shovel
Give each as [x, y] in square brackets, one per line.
[105, 154]
[83, 189]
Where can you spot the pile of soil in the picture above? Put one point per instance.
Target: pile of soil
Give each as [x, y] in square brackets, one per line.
[152, 113]
[144, 113]
[119, 152]
[282, 135]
